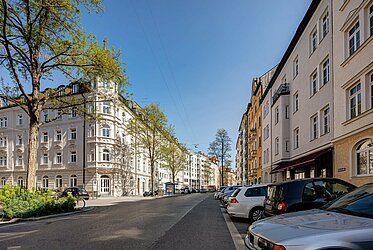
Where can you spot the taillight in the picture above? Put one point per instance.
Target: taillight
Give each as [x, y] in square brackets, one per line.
[278, 247]
[234, 200]
[282, 206]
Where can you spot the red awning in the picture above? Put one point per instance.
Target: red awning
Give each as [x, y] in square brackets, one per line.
[300, 162]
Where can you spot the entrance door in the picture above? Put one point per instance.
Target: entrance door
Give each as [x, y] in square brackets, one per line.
[105, 185]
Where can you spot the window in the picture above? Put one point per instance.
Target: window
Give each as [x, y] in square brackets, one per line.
[59, 158]
[355, 100]
[60, 91]
[3, 181]
[296, 102]
[58, 135]
[277, 140]
[287, 146]
[3, 160]
[106, 108]
[74, 112]
[354, 38]
[73, 181]
[59, 114]
[296, 138]
[325, 24]
[91, 130]
[276, 115]
[45, 182]
[58, 182]
[73, 156]
[314, 127]
[19, 140]
[265, 109]
[253, 192]
[106, 155]
[364, 158]
[266, 132]
[371, 91]
[313, 40]
[92, 157]
[106, 131]
[296, 67]
[19, 119]
[45, 158]
[286, 111]
[314, 83]
[325, 123]
[370, 16]
[20, 160]
[75, 88]
[45, 137]
[3, 122]
[20, 181]
[3, 141]
[45, 116]
[73, 134]
[325, 72]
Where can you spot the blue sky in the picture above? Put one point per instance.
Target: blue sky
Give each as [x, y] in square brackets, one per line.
[197, 57]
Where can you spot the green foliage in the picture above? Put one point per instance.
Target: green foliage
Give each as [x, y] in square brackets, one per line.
[21, 203]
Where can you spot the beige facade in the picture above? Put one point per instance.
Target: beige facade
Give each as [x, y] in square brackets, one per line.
[353, 90]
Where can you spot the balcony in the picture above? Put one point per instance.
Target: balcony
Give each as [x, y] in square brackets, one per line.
[283, 89]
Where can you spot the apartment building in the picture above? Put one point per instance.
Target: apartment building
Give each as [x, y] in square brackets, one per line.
[242, 149]
[353, 90]
[298, 102]
[266, 145]
[255, 134]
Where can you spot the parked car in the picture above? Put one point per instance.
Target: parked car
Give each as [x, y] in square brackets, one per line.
[346, 223]
[303, 194]
[219, 192]
[76, 192]
[247, 202]
[228, 192]
[203, 190]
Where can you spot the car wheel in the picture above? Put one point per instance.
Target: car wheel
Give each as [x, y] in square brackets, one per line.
[256, 214]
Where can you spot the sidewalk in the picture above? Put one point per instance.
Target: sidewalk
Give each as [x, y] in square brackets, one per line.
[109, 201]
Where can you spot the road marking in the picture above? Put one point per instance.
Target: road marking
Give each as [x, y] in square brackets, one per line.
[236, 236]
[14, 247]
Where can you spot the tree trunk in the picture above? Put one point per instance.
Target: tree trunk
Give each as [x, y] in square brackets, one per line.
[32, 152]
[173, 178]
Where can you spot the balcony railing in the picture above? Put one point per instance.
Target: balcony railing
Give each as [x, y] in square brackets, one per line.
[283, 89]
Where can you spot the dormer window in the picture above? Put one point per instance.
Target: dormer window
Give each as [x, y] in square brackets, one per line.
[75, 88]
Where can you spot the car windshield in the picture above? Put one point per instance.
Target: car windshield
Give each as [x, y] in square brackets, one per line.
[359, 202]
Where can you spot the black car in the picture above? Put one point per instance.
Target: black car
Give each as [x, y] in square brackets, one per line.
[76, 192]
[303, 194]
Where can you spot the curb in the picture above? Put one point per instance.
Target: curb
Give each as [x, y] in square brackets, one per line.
[16, 220]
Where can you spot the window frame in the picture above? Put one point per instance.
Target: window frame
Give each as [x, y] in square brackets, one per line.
[369, 152]
[325, 24]
[313, 40]
[314, 126]
[296, 137]
[277, 115]
[325, 75]
[277, 145]
[325, 120]
[355, 95]
[313, 83]
[354, 35]
[295, 102]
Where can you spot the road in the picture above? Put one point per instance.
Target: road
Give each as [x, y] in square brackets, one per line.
[185, 222]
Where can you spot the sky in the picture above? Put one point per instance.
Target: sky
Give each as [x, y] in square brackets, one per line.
[197, 58]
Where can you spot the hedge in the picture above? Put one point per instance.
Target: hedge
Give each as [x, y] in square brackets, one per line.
[18, 202]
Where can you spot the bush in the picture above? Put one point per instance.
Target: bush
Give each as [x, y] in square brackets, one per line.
[21, 203]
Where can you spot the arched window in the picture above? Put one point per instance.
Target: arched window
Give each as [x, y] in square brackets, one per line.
[58, 183]
[364, 158]
[20, 181]
[3, 181]
[73, 181]
[45, 182]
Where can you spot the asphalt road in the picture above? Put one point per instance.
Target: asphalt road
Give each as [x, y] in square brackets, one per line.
[185, 222]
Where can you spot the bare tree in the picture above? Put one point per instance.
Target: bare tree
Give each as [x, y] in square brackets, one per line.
[123, 157]
[42, 38]
[220, 148]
